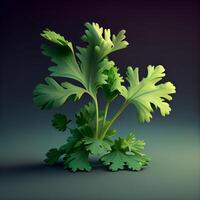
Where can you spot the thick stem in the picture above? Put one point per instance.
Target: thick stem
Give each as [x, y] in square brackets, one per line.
[94, 97]
[97, 118]
[117, 114]
[105, 112]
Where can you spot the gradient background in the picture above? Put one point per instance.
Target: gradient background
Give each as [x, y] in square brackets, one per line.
[159, 33]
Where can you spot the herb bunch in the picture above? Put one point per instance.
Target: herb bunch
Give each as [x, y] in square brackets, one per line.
[91, 69]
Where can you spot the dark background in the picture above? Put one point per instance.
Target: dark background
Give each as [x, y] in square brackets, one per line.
[159, 32]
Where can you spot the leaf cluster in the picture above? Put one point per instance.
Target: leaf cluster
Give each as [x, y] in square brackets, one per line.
[85, 70]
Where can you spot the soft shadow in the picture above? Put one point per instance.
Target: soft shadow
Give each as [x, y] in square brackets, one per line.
[43, 168]
[29, 168]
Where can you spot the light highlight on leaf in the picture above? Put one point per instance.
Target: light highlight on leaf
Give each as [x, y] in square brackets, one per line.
[145, 92]
[53, 95]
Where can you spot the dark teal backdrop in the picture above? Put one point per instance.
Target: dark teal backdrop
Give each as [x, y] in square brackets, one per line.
[159, 32]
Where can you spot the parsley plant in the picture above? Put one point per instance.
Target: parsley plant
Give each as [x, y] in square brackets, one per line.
[91, 69]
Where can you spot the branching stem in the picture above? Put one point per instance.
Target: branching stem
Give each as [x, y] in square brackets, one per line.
[117, 114]
[106, 112]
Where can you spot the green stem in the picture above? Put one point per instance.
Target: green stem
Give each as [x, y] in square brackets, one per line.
[117, 114]
[97, 117]
[105, 112]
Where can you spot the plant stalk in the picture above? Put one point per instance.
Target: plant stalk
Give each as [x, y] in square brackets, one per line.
[106, 112]
[97, 118]
[117, 114]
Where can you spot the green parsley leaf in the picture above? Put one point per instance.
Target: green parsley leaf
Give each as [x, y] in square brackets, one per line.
[93, 61]
[131, 144]
[52, 156]
[117, 159]
[74, 140]
[77, 160]
[60, 122]
[145, 92]
[96, 146]
[126, 152]
[50, 95]
[86, 114]
[62, 54]
[114, 84]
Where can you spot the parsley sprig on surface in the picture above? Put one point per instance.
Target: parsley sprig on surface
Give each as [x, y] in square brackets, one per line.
[90, 69]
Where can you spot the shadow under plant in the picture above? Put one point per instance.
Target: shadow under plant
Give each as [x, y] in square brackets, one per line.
[91, 69]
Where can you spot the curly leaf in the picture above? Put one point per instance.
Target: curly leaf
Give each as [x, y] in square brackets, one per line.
[86, 114]
[77, 160]
[117, 159]
[118, 41]
[62, 54]
[51, 95]
[114, 83]
[101, 40]
[52, 156]
[97, 146]
[145, 92]
[55, 38]
[130, 144]
[73, 141]
[126, 152]
[93, 59]
[60, 122]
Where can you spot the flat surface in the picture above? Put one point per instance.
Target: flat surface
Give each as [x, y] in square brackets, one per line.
[173, 173]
